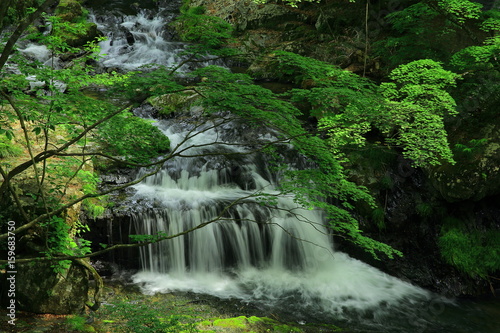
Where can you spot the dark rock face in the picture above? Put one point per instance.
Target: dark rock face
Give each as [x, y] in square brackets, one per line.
[414, 214]
[114, 228]
[476, 175]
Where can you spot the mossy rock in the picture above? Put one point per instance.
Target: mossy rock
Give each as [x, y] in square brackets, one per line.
[78, 31]
[70, 11]
[87, 32]
[41, 290]
[175, 102]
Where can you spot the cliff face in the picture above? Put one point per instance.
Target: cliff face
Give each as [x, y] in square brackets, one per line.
[416, 207]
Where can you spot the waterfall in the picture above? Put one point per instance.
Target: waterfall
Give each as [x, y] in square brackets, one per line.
[277, 256]
[134, 41]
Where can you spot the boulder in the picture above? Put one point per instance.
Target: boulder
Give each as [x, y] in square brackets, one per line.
[79, 31]
[40, 289]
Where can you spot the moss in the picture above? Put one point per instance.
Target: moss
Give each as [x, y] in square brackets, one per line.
[69, 10]
[424, 209]
[378, 216]
[285, 328]
[238, 322]
[247, 324]
[78, 323]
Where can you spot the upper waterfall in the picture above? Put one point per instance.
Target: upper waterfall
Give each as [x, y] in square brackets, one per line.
[137, 37]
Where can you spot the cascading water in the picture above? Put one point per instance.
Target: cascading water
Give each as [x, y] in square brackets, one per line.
[280, 258]
[138, 40]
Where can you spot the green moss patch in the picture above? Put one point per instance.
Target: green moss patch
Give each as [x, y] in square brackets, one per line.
[246, 324]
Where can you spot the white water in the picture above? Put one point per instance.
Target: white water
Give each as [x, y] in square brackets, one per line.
[275, 257]
[134, 41]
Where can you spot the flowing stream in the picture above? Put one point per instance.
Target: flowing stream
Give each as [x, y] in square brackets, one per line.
[277, 256]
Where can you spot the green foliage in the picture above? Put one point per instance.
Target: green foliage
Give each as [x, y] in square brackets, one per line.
[141, 85]
[17, 11]
[418, 102]
[9, 148]
[135, 139]
[434, 29]
[340, 100]
[56, 113]
[491, 21]
[478, 57]
[376, 157]
[209, 34]
[413, 33]
[378, 216]
[348, 107]
[95, 207]
[60, 241]
[424, 209]
[225, 91]
[476, 253]
[148, 238]
[460, 10]
[408, 111]
[473, 147]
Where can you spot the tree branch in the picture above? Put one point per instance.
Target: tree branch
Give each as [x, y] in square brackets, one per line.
[21, 28]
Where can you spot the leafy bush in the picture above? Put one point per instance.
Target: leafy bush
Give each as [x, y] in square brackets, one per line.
[476, 253]
[133, 138]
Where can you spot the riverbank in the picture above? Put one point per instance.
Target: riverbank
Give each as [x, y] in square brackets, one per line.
[125, 309]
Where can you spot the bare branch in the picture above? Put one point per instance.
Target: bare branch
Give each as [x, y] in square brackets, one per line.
[121, 246]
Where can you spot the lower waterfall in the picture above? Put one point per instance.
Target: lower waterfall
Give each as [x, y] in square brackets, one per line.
[279, 257]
